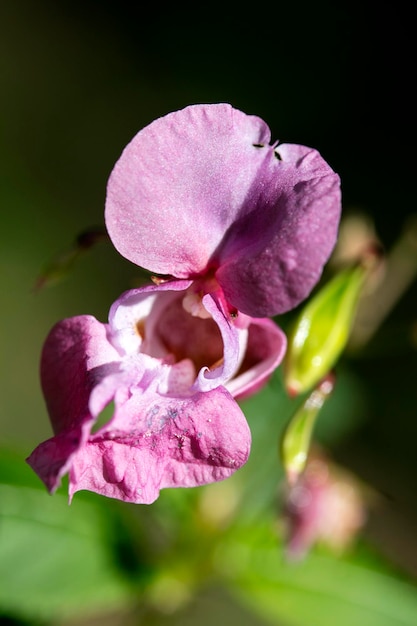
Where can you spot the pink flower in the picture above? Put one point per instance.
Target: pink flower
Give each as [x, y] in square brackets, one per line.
[240, 230]
[200, 193]
[172, 377]
[325, 506]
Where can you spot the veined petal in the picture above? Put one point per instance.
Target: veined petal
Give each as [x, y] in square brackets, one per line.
[157, 442]
[180, 184]
[272, 257]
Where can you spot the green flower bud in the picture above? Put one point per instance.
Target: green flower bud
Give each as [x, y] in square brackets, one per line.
[322, 329]
[295, 443]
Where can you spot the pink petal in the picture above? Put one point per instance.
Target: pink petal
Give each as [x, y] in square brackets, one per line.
[265, 350]
[145, 305]
[180, 184]
[157, 442]
[209, 378]
[274, 256]
[76, 355]
[52, 459]
[169, 329]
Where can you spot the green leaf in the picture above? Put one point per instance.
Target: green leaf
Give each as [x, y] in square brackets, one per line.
[15, 471]
[55, 559]
[322, 590]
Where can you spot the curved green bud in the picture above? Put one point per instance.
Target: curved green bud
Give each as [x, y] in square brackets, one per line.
[322, 329]
[296, 439]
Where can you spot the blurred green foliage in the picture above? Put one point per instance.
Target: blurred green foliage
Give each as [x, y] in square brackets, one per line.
[59, 562]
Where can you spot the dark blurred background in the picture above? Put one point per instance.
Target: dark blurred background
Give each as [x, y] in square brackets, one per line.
[79, 79]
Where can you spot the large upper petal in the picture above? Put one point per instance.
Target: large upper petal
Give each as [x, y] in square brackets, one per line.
[157, 441]
[274, 253]
[180, 184]
[202, 188]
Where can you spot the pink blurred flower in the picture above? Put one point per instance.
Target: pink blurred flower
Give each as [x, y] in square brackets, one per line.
[325, 506]
[201, 194]
[172, 377]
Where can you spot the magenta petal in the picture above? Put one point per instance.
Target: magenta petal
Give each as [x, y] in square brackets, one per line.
[265, 350]
[156, 442]
[274, 256]
[180, 184]
[75, 357]
[52, 459]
